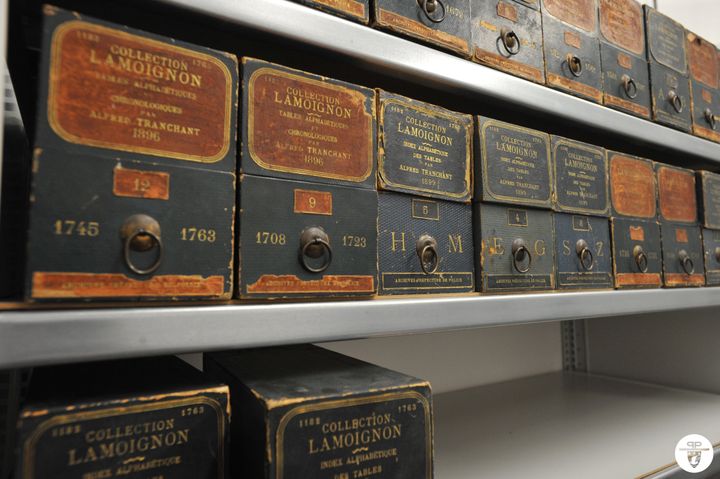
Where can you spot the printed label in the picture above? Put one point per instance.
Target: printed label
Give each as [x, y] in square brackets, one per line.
[421, 281]
[575, 86]
[517, 218]
[584, 280]
[507, 11]
[510, 282]
[160, 438]
[426, 210]
[580, 178]
[681, 235]
[572, 39]
[350, 7]
[414, 28]
[666, 40]
[621, 103]
[509, 65]
[386, 435]
[308, 126]
[141, 184]
[289, 283]
[313, 202]
[703, 60]
[580, 223]
[112, 89]
[632, 184]
[711, 200]
[622, 24]
[677, 195]
[706, 95]
[637, 233]
[624, 61]
[637, 279]
[578, 13]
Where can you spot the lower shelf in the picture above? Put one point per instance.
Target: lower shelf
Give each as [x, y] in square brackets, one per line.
[570, 425]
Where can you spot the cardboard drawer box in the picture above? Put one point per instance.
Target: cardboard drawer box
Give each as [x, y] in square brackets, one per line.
[300, 126]
[704, 66]
[143, 419]
[683, 255]
[115, 92]
[572, 48]
[424, 245]
[580, 174]
[633, 186]
[300, 239]
[677, 196]
[514, 248]
[440, 23]
[306, 412]
[626, 82]
[103, 229]
[709, 199]
[582, 252]
[711, 245]
[669, 84]
[636, 253]
[512, 165]
[507, 36]
[424, 149]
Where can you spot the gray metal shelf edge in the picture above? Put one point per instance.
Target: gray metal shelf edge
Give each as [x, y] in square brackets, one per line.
[408, 60]
[38, 337]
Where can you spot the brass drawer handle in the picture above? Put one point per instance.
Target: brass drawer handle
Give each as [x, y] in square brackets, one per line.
[630, 87]
[519, 252]
[141, 233]
[587, 261]
[717, 254]
[676, 101]
[315, 243]
[641, 259]
[426, 248]
[575, 65]
[429, 7]
[686, 262]
[510, 41]
[711, 118]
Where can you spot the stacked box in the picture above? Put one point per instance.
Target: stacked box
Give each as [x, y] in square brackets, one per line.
[514, 241]
[636, 250]
[572, 48]
[507, 35]
[131, 128]
[143, 418]
[424, 216]
[441, 23]
[626, 84]
[708, 185]
[308, 202]
[704, 69]
[582, 205]
[667, 58]
[683, 258]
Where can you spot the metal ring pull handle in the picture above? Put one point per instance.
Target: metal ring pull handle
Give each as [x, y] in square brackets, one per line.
[587, 261]
[141, 233]
[711, 118]
[510, 41]
[686, 262]
[519, 252]
[630, 87]
[315, 243]
[575, 65]
[427, 246]
[717, 254]
[429, 7]
[641, 259]
[676, 101]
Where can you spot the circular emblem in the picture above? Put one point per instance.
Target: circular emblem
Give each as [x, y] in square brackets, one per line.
[694, 453]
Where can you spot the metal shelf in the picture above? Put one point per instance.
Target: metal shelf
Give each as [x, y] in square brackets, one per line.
[34, 337]
[565, 425]
[410, 61]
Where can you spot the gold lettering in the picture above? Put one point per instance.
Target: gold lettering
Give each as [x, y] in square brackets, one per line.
[455, 243]
[497, 248]
[396, 241]
[566, 248]
[540, 247]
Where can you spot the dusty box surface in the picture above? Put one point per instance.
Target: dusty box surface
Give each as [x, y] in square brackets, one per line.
[109, 420]
[582, 252]
[507, 35]
[514, 248]
[677, 198]
[424, 149]
[303, 411]
[704, 66]
[301, 126]
[306, 239]
[669, 84]
[116, 92]
[636, 253]
[572, 48]
[442, 23]
[580, 173]
[128, 230]
[626, 84]
[633, 187]
[512, 164]
[711, 245]
[709, 199]
[424, 245]
[683, 255]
